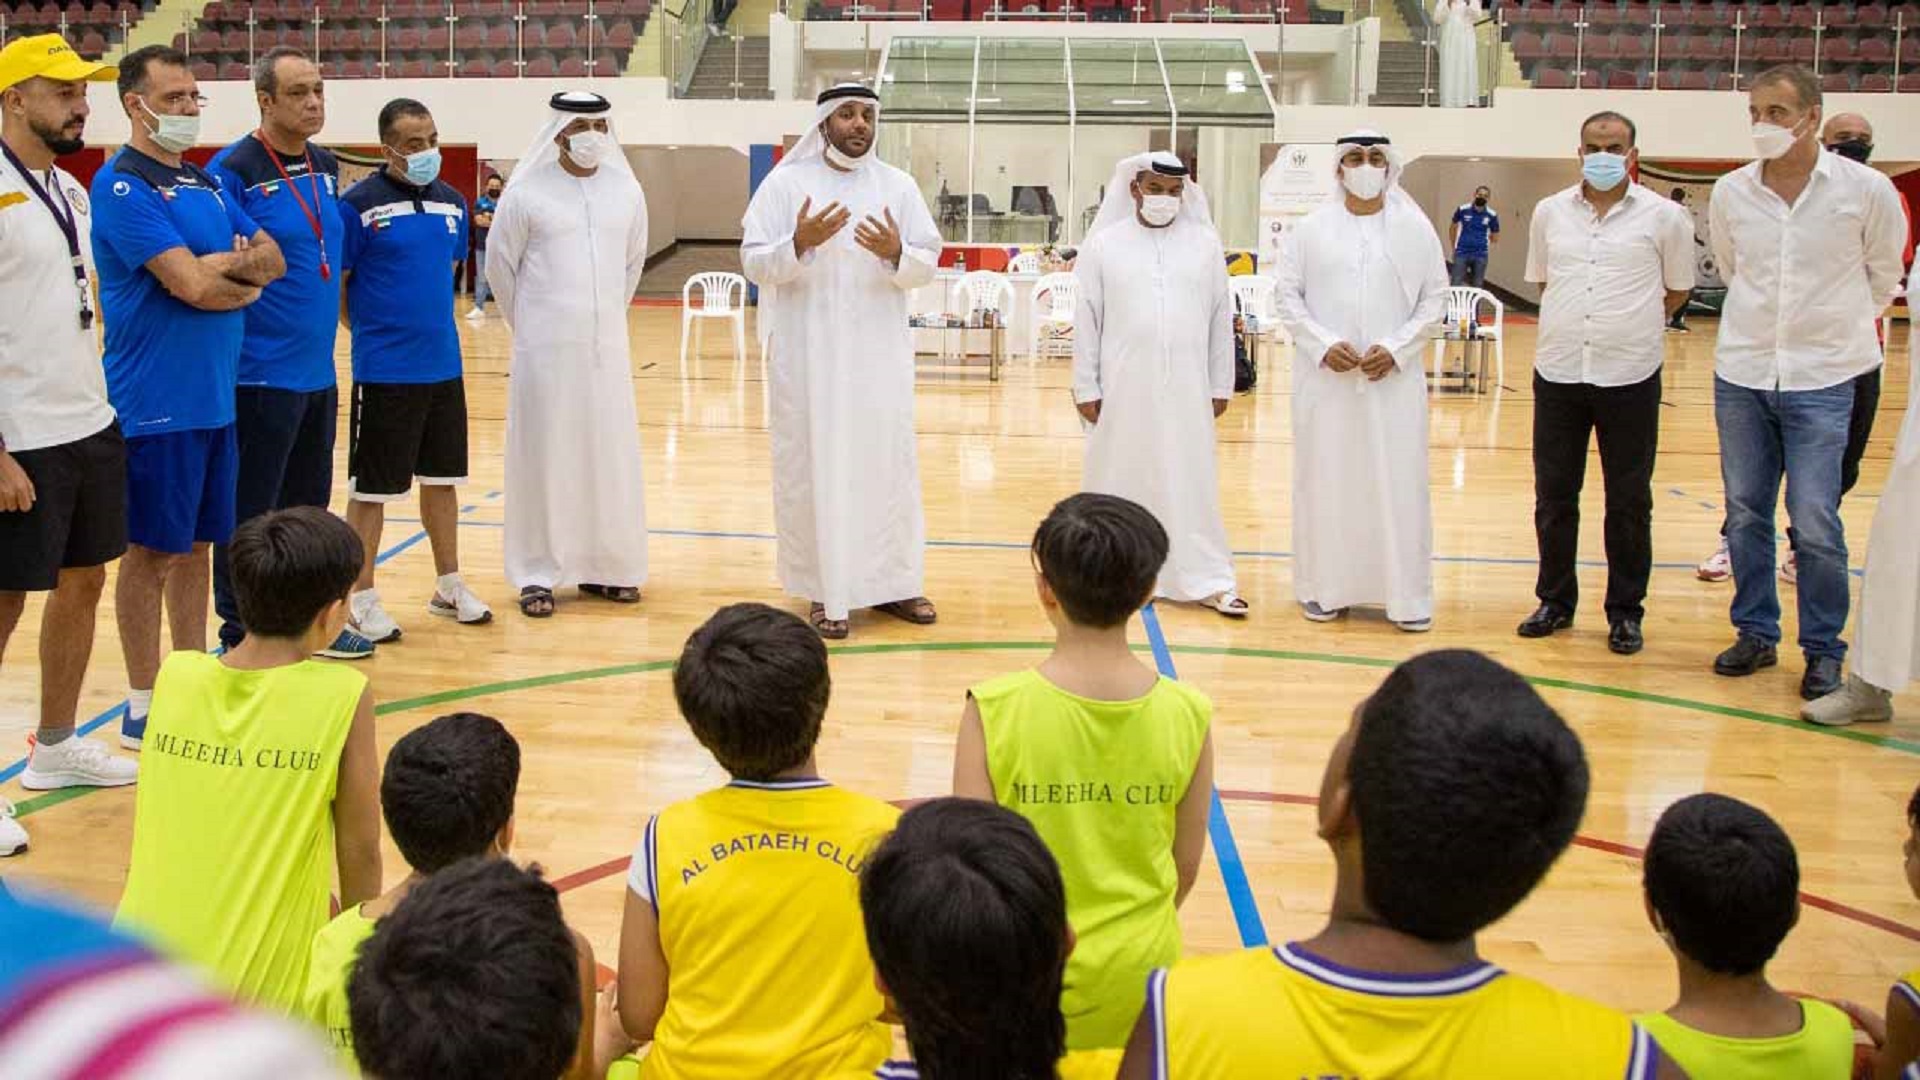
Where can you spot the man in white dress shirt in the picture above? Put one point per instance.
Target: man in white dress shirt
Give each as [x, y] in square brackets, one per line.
[1617, 262]
[1809, 243]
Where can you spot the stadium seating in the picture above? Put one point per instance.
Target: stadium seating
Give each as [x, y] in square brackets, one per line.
[1866, 46]
[91, 26]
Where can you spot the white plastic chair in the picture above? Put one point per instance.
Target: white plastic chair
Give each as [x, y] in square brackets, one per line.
[1254, 297]
[1463, 304]
[1062, 294]
[1027, 262]
[722, 296]
[981, 290]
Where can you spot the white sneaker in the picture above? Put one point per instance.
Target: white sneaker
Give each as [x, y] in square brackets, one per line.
[1315, 613]
[372, 620]
[1790, 569]
[76, 763]
[476, 313]
[1856, 702]
[13, 838]
[1415, 626]
[1718, 566]
[453, 600]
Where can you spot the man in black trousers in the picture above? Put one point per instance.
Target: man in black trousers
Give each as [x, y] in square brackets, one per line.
[1617, 261]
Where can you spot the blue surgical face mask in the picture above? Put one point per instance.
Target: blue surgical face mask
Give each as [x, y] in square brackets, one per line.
[1603, 170]
[423, 168]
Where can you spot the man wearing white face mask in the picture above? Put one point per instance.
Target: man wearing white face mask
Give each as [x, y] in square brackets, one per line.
[406, 235]
[1617, 262]
[568, 243]
[1153, 367]
[1362, 281]
[177, 261]
[1809, 243]
[833, 321]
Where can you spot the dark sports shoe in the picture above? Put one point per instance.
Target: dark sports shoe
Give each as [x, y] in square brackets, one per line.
[1748, 655]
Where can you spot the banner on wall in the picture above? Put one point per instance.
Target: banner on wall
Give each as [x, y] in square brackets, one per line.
[1690, 183]
[1295, 180]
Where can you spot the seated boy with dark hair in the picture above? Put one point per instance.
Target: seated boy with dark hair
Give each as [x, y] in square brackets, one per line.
[1723, 889]
[741, 950]
[260, 764]
[1111, 762]
[473, 974]
[1446, 800]
[967, 921]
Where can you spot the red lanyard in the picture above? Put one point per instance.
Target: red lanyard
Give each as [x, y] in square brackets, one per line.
[313, 218]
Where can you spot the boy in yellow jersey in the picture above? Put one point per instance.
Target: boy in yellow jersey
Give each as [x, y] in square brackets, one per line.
[1446, 800]
[1112, 763]
[1723, 889]
[741, 950]
[260, 772]
[1898, 1035]
[473, 974]
[967, 922]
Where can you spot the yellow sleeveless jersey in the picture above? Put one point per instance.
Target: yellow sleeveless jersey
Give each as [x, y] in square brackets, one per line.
[757, 891]
[232, 865]
[330, 964]
[1265, 1013]
[1101, 781]
[1079, 1065]
[1821, 1050]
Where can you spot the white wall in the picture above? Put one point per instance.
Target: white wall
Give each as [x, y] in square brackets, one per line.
[1441, 186]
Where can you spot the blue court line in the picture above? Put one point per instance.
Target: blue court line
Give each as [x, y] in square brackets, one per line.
[117, 711]
[1007, 545]
[1246, 912]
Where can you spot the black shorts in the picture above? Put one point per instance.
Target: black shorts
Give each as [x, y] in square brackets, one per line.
[79, 512]
[406, 431]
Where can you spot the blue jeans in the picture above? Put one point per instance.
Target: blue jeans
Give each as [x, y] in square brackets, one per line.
[481, 291]
[1470, 270]
[1803, 435]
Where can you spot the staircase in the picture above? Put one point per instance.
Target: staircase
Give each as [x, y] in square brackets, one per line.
[713, 76]
[158, 26]
[1403, 72]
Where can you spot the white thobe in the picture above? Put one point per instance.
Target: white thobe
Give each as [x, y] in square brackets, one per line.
[1459, 53]
[564, 257]
[1362, 523]
[1153, 343]
[846, 477]
[1887, 650]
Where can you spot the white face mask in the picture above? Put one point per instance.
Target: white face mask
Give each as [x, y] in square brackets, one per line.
[589, 149]
[1771, 140]
[1159, 210]
[846, 161]
[174, 134]
[1364, 181]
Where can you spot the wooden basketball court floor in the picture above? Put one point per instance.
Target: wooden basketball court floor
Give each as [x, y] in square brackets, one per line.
[587, 692]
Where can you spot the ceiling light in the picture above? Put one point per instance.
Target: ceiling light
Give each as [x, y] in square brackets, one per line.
[1129, 101]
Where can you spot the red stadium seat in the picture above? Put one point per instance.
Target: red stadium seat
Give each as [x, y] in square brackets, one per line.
[542, 67]
[354, 69]
[1689, 80]
[204, 71]
[1527, 45]
[1875, 49]
[1552, 78]
[505, 69]
[1839, 50]
[235, 71]
[1625, 79]
[1878, 83]
[413, 69]
[574, 66]
[476, 69]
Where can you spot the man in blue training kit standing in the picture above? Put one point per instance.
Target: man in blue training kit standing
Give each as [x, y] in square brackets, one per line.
[406, 239]
[177, 262]
[1476, 228]
[288, 403]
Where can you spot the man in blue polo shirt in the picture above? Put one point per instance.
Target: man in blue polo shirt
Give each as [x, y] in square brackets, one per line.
[287, 403]
[1475, 229]
[406, 234]
[177, 262]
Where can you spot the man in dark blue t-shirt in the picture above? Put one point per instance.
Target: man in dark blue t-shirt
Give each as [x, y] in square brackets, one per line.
[288, 403]
[1475, 229]
[406, 235]
[483, 209]
[177, 261]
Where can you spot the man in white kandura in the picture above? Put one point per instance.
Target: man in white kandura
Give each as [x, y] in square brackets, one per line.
[568, 243]
[1361, 281]
[833, 322]
[1886, 650]
[1153, 366]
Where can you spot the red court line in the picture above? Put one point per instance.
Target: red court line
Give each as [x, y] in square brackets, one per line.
[611, 867]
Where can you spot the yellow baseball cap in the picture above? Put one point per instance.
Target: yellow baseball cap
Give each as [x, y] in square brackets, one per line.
[49, 56]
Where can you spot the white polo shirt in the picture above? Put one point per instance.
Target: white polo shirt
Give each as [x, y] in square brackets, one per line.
[1603, 315]
[53, 389]
[1805, 283]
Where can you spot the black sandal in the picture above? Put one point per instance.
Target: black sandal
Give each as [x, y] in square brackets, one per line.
[534, 595]
[830, 629]
[919, 610]
[619, 594]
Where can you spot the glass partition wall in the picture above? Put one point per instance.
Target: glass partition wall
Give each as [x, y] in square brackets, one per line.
[1013, 140]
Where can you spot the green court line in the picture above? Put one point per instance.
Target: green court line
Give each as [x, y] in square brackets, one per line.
[536, 682]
